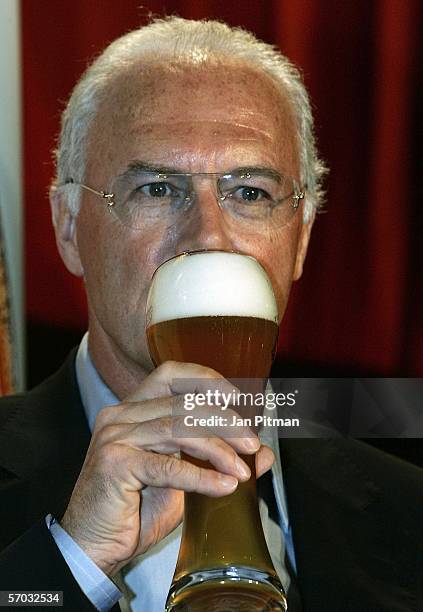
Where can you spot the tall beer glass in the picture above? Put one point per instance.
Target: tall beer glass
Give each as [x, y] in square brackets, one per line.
[218, 309]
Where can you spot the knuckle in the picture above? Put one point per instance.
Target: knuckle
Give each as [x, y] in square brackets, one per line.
[178, 426]
[172, 467]
[109, 456]
[210, 373]
[151, 471]
[106, 416]
[229, 455]
[199, 478]
[109, 432]
[232, 454]
[177, 404]
[197, 370]
[153, 468]
[167, 368]
[162, 470]
[162, 427]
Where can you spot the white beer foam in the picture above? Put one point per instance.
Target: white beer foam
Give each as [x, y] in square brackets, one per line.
[210, 284]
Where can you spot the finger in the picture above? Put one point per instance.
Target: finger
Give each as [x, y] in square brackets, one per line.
[208, 421]
[203, 423]
[156, 470]
[173, 377]
[157, 436]
[264, 460]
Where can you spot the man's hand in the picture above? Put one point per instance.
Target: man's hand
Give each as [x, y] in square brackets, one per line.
[129, 494]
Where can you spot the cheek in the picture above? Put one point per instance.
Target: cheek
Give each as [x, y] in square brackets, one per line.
[118, 263]
[277, 254]
[104, 257]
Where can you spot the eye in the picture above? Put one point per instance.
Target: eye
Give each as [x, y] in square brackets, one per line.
[247, 193]
[158, 190]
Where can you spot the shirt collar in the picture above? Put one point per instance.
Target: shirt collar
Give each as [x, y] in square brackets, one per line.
[95, 394]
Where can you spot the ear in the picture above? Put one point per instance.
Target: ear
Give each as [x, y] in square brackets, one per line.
[303, 241]
[64, 223]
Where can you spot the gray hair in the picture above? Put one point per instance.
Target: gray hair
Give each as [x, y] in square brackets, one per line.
[174, 38]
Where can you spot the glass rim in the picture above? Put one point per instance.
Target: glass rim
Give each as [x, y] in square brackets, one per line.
[203, 252]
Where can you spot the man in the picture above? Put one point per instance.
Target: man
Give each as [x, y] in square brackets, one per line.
[202, 99]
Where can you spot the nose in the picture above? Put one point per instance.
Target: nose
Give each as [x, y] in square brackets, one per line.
[204, 225]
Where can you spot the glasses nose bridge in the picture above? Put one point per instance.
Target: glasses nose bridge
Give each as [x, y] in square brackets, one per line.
[202, 184]
[205, 226]
[205, 199]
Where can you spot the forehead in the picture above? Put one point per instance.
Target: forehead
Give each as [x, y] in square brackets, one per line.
[185, 111]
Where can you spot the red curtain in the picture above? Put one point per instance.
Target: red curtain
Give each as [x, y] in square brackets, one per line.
[359, 304]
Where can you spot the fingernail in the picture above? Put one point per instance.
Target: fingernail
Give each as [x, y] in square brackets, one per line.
[229, 482]
[252, 443]
[242, 469]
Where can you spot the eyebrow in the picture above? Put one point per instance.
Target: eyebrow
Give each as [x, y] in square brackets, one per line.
[136, 166]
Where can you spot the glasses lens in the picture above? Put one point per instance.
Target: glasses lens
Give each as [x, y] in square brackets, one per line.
[260, 199]
[143, 199]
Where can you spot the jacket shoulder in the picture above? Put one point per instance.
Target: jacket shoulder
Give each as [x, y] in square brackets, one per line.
[34, 426]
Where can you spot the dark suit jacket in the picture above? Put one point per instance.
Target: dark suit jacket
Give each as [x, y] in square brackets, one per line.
[357, 512]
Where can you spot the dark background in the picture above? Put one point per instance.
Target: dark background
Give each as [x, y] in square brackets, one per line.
[359, 307]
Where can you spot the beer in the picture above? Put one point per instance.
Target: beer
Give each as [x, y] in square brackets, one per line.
[237, 347]
[218, 309]
[227, 598]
